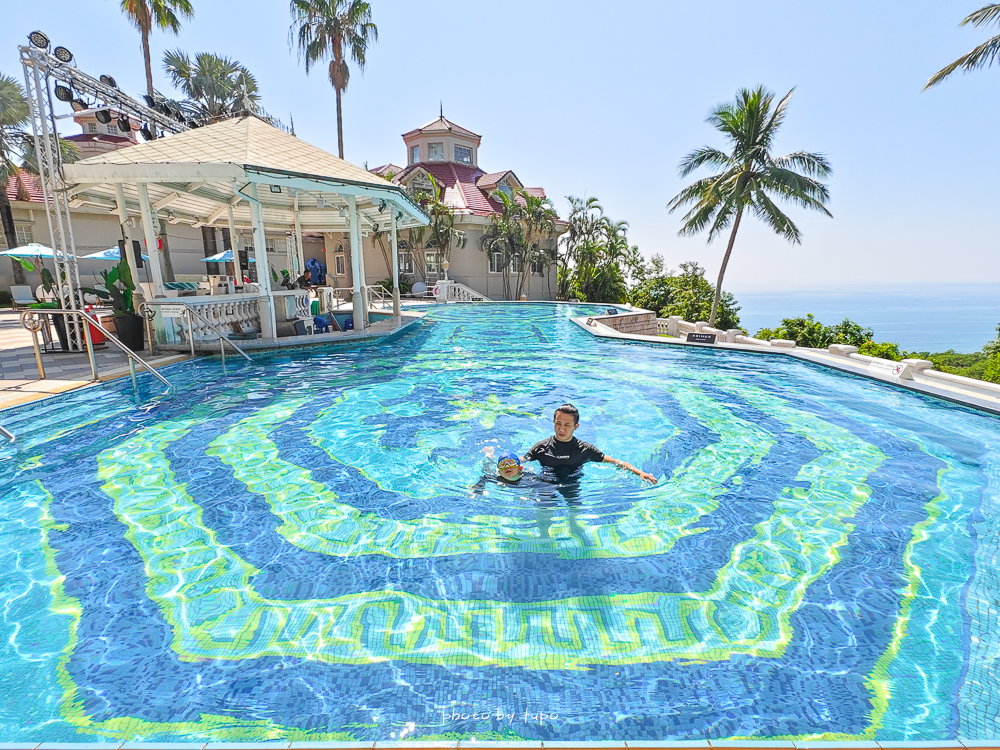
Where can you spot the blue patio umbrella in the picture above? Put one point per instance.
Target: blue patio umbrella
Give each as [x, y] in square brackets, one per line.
[112, 253]
[226, 256]
[31, 250]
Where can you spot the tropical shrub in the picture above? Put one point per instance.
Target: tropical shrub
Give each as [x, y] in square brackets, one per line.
[691, 297]
[882, 349]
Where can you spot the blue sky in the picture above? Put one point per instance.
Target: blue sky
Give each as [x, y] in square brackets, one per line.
[603, 99]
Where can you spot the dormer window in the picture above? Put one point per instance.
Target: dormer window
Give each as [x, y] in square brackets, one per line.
[415, 155]
[91, 127]
[463, 154]
[435, 152]
[505, 188]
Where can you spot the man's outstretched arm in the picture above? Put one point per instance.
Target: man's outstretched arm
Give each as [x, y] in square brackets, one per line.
[634, 469]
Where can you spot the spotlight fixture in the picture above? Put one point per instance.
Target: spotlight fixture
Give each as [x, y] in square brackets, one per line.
[275, 188]
[342, 211]
[64, 93]
[123, 124]
[79, 105]
[109, 81]
[145, 132]
[38, 39]
[63, 55]
[320, 203]
[103, 116]
[382, 204]
[399, 216]
[150, 101]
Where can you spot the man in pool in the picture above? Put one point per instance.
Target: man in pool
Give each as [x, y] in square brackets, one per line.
[565, 453]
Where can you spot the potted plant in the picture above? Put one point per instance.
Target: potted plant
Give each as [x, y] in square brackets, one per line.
[118, 287]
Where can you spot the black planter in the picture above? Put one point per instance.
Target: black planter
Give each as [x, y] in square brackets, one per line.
[59, 321]
[129, 330]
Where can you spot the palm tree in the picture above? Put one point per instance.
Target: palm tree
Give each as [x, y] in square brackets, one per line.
[981, 56]
[332, 29]
[144, 13]
[748, 175]
[215, 86]
[13, 117]
[539, 218]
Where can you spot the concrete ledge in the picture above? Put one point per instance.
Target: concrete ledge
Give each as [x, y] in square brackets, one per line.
[953, 388]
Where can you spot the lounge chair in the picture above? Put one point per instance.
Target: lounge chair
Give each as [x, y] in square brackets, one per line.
[21, 296]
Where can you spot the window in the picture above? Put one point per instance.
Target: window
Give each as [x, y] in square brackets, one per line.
[463, 154]
[415, 155]
[431, 261]
[435, 152]
[22, 233]
[506, 189]
[271, 244]
[91, 127]
[496, 262]
[112, 129]
[405, 263]
[537, 267]
[419, 184]
[516, 264]
[340, 264]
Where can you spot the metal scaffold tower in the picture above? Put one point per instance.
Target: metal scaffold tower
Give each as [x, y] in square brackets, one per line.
[41, 68]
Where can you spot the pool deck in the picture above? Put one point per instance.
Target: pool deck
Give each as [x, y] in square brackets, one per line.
[985, 398]
[20, 382]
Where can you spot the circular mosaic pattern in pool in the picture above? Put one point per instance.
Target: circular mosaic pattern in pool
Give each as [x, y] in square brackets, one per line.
[315, 547]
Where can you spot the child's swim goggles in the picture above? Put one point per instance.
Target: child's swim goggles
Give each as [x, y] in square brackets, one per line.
[508, 461]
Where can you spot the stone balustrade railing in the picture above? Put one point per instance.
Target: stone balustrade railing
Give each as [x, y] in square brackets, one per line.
[454, 291]
[230, 313]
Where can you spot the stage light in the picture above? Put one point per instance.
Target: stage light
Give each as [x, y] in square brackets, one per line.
[382, 204]
[38, 39]
[79, 105]
[63, 55]
[150, 101]
[123, 124]
[109, 81]
[103, 116]
[64, 93]
[145, 132]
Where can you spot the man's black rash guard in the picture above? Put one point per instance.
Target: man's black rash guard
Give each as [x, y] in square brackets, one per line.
[555, 454]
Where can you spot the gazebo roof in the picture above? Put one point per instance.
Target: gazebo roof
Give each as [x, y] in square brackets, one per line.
[197, 174]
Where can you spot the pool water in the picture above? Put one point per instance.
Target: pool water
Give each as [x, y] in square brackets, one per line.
[313, 547]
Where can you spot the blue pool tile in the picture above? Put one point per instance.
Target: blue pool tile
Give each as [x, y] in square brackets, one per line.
[332, 745]
[927, 745]
[653, 745]
[266, 745]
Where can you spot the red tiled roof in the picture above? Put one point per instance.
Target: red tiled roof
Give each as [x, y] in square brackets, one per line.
[31, 184]
[386, 169]
[466, 189]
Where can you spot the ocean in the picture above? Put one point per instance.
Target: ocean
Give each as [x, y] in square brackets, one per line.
[929, 318]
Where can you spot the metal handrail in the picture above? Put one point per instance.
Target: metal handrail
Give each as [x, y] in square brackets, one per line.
[7, 433]
[377, 290]
[222, 337]
[132, 356]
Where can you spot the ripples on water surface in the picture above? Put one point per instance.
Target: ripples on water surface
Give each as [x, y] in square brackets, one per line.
[305, 549]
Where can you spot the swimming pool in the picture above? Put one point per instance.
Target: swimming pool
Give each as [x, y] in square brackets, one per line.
[305, 548]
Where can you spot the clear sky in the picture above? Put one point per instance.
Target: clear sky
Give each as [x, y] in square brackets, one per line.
[603, 99]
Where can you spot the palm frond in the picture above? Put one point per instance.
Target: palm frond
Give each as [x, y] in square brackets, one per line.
[984, 16]
[765, 210]
[706, 155]
[980, 57]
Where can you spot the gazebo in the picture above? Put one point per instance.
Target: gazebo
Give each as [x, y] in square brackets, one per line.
[243, 172]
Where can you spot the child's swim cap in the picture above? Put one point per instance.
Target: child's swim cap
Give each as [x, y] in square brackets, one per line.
[508, 460]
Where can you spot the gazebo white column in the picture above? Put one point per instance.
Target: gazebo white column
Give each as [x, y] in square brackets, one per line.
[267, 321]
[127, 230]
[234, 246]
[300, 266]
[395, 265]
[152, 242]
[361, 259]
[358, 302]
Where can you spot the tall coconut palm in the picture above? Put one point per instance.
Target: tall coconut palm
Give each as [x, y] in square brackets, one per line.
[144, 14]
[13, 118]
[981, 56]
[334, 29]
[539, 218]
[749, 176]
[215, 86]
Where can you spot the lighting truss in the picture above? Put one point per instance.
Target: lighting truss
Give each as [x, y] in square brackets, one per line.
[40, 69]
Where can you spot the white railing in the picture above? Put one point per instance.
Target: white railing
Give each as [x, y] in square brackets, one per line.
[229, 313]
[455, 291]
[380, 293]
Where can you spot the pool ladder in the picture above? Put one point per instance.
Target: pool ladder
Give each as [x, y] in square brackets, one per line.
[7, 433]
